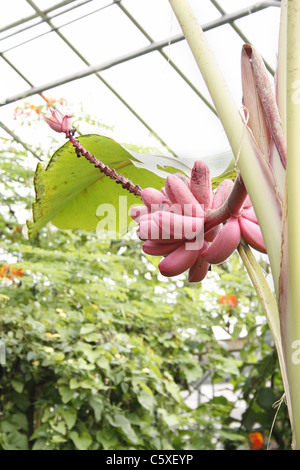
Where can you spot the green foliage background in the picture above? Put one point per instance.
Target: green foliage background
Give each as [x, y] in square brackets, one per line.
[103, 353]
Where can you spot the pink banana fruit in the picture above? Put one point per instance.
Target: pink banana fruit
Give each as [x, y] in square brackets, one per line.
[138, 211]
[251, 233]
[225, 242]
[212, 233]
[179, 226]
[147, 217]
[222, 193]
[148, 230]
[199, 269]
[182, 198]
[249, 214]
[247, 203]
[152, 197]
[155, 248]
[178, 261]
[171, 224]
[182, 177]
[163, 191]
[200, 184]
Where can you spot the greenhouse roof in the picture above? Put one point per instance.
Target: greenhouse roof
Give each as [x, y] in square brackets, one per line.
[127, 63]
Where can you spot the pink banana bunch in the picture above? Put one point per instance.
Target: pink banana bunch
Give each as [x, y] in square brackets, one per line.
[172, 224]
[244, 225]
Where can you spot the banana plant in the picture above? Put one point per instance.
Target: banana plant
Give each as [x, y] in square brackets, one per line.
[180, 217]
[265, 143]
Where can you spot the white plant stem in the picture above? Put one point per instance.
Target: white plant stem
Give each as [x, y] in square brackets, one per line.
[281, 69]
[268, 303]
[291, 315]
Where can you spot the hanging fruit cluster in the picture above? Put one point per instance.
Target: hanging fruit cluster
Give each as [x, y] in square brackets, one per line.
[172, 224]
[185, 222]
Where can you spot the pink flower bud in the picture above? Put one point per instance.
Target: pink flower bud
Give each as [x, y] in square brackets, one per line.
[58, 122]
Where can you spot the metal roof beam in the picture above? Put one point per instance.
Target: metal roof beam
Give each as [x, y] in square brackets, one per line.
[35, 15]
[45, 19]
[155, 46]
[239, 32]
[20, 141]
[167, 58]
[120, 98]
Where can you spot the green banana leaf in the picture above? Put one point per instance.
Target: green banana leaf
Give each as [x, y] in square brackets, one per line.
[73, 194]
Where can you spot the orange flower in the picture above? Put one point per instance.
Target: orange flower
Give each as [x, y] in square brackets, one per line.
[51, 101]
[256, 441]
[229, 300]
[16, 272]
[10, 272]
[3, 270]
[28, 108]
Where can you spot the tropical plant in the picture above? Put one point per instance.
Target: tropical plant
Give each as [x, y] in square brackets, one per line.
[67, 323]
[103, 353]
[253, 200]
[264, 143]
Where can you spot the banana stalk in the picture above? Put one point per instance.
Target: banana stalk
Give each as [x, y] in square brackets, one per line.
[290, 296]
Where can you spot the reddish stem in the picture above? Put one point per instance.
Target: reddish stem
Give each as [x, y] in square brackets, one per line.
[120, 179]
[230, 208]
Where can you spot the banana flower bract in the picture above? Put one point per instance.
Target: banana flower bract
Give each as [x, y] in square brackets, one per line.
[58, 122]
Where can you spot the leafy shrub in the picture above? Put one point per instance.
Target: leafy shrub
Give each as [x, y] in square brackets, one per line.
[97, 351]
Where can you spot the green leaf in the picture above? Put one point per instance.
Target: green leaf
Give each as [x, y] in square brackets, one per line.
[146, 400]
[174, 391]
[66, 393]
[192, 372]
[15, 441]
[120, 421]
[90, 354]
[87, 328]
[108, 438]
[60, 427]
[69, 416]
[57, 439]
[103, 363]
[230, 366]
[40, 432]
[145, 388]
[74, 383]
[97, 405]
[266, 398]
[70, 189]
[3, 300]
[231, 436]
[169, 418]
[17, 385]
[20, 419]
[59, 357]
[40, 444]
[82, 441]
